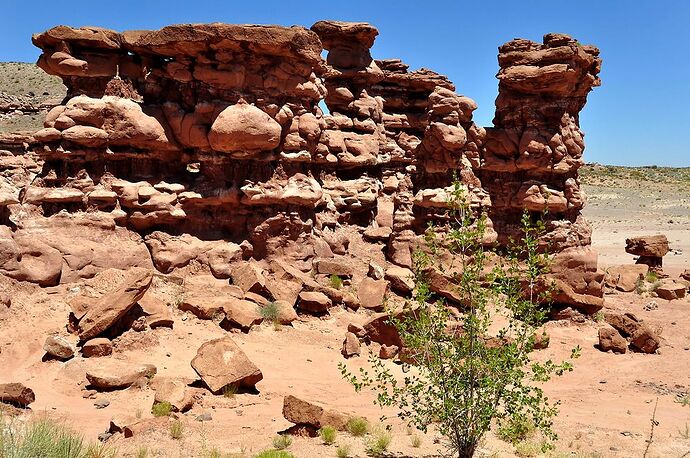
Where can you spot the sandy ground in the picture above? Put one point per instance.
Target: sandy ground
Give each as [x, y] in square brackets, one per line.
[607, 402]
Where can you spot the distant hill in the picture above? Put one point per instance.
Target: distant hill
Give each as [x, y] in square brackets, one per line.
[24, 86]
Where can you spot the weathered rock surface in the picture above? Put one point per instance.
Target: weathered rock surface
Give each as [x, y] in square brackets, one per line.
[174, 144]
[221, 362]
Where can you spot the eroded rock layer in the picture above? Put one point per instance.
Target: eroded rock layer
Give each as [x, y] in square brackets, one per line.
[209, 142]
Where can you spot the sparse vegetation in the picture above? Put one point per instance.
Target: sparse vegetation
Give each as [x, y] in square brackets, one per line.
[683, 400]
[528, 449]
[599, 316]
[270, 312]
[229, 391]
[378, 442]
[176, 430]
[651, 277]
[684, 433]
[460, 381]
[335, 281]
[416, 441]
[343, 451]
[161, 409]
[46, 438]
[274, 454]
[282, 441]
[142, 452]
[640, 286]
[357, 426]
[654, 286]
[328, 434]
[515, 429]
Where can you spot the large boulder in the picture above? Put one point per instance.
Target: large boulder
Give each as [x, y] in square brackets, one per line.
[314, 302]
[625, 323]
[58, 347]
[645, 339]
[610, 339]
[372, 293]
[17, 394]
[107, 310]
[649, 245]
[310, 414]
[625, 277]
[173, 390]
[244, 128]
[221, 362]
[94, 348]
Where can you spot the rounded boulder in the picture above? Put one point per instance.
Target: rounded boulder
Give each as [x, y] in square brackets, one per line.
[244, 128]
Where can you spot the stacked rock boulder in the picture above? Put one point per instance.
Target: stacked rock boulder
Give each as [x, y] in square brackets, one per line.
[209, 142]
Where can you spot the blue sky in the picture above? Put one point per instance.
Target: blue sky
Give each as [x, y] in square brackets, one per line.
[639, 116]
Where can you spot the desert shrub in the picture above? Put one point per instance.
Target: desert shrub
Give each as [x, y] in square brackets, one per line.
[651, 276]
[416, 441]
[515, 429]
[270, 312]
[683, 400]
[335, 281]
[161, 409]
[684, 433]
[46, 438]
[461, 381]
[639, 286]
[274, 454]
[176, 430]
[229, 391]
[328, 434]
[528, 449]
[142, 452]
[282, 441]
[654, 286]
[343, 451]
[357, 426]
[378, 443]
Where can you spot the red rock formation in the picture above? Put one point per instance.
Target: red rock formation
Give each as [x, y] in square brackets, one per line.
[214, 132]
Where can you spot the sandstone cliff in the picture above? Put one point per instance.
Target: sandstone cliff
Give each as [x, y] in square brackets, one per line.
[208, 144]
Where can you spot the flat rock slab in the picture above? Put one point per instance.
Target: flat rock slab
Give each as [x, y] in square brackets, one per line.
[671, 290]
[17, 394]
[221, 362]
[113, 306]
[112, 375]
[302, 412]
